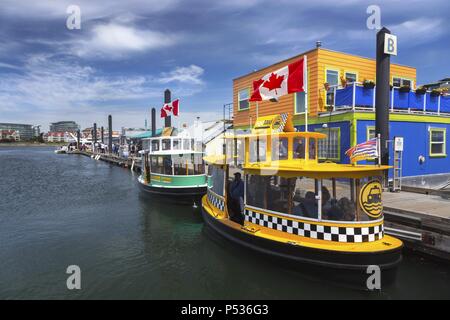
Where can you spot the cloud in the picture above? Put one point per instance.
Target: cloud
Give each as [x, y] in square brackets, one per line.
[48, 84]
[112, 40]
[189, 74]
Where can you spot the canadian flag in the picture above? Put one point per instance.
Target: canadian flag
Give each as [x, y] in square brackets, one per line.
[170, 108]
[288, 79]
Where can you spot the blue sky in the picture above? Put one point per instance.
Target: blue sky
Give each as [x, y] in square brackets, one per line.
[127, 52]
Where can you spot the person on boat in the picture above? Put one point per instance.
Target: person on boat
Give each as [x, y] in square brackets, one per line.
[237, 197]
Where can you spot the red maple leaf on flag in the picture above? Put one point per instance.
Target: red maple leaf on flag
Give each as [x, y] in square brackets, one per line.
[274, 82]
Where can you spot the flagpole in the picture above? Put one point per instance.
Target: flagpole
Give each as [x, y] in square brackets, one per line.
[305, 88]
[379, 149]
[257, 109]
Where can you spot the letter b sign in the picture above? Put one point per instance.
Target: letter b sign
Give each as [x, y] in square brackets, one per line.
[390, 44]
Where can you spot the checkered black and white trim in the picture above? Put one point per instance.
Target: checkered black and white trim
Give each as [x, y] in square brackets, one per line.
[216, 201]
[316, 231]
[284, 117]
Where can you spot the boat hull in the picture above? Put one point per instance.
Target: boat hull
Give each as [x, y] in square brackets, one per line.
[351, 266]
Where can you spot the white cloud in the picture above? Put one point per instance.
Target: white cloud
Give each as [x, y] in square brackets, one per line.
[112, 40]
[189, 74]
[47, 86]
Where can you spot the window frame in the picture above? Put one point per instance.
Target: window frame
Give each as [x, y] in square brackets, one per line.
[368, 128]
[444, 143]
[326, 80]
[239, 99]
[296, 101]
[401, 81]
[351, 72]
[325, 131]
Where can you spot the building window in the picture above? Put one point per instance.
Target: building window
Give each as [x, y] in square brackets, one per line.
[400, 82]
[437, 142]
[243, 96]
[330, 147]
[351, 77]
[332, 78]
[370, 133]
[300, 102]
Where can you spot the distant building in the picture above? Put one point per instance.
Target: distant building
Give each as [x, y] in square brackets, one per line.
[443, 83]
[9, 135]
[25, 131]
[58, 137]
[63, 126]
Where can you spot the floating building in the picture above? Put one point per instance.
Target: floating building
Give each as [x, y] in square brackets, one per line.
[340, 101]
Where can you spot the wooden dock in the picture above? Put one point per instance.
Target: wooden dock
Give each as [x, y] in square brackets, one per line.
[421, 220]
[131, 162]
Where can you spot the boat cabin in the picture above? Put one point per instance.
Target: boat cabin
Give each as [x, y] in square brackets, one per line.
[287, 189]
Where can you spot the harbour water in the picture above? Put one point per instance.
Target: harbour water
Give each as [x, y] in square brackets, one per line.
[61, 210]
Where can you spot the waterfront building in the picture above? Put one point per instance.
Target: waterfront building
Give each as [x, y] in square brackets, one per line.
[63, 126]
[340, 101]
[25, 131]
[9, 135]
[58, 137]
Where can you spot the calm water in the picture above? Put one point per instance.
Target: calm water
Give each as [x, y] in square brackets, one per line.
[59, 210]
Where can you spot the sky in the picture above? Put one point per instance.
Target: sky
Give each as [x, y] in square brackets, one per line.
[126, 53]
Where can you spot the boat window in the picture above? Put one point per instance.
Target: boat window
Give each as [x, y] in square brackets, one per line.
[185, 144]
[161, 164]
[279, 148]
[312, 148]
[299, 148]
[155, 145]
[166, 144]
[216, 180]
[304, 202]
[255, 191]
[338, 200]
[176, 144]
[182, 164]
[258, 149]
[199, 164]
[192, 144]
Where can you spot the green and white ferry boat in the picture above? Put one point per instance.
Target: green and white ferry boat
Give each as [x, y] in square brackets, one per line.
[173, 166]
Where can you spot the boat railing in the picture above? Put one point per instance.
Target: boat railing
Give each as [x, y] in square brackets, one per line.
[358, 97]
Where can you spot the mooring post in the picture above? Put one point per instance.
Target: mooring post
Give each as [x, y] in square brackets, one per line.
[95, 136]
[103, 134]
[78, 139]
[153, 122]
[110, 134]
[382, 99]
[167, 99]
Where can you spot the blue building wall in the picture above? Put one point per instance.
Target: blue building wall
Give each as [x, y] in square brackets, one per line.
[344, 133]
[416, 139]
[416, 143]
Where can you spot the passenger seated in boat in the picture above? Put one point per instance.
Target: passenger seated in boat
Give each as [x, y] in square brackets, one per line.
[307, 206]
[236, 192]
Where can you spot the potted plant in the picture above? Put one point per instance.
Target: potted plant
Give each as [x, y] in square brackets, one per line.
[368, 84]
[421, 90]
[435, 92]
[405, 89]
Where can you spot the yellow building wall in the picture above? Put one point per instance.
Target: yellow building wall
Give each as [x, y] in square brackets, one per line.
[319, 60]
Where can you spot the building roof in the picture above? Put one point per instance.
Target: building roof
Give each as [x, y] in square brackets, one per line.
[147, 134]
[306, 52]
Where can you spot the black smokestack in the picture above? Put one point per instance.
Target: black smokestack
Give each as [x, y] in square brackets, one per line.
[167, 99]
[382, 97]
[153, 123]
[109, 133]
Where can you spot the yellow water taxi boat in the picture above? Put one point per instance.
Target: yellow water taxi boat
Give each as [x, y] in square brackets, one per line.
[293, 207]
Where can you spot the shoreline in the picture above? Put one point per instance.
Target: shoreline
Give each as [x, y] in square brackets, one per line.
[30, 144]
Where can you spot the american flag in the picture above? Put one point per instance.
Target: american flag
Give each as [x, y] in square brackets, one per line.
[363, 151]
